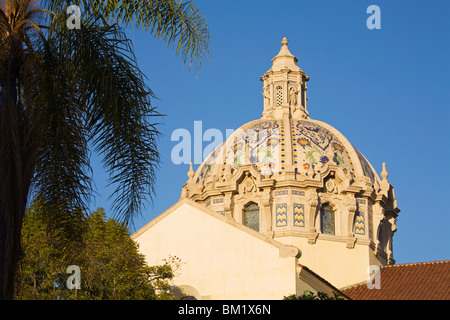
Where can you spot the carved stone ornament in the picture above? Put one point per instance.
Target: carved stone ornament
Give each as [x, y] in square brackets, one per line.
[331, 186]
[248, 185]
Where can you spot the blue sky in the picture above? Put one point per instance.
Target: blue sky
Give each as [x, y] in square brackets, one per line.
[387, 91]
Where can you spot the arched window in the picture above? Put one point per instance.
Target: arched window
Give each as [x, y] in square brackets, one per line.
[327, 219]
[251, 216]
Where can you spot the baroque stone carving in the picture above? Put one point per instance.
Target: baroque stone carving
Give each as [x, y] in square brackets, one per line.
[248, 185]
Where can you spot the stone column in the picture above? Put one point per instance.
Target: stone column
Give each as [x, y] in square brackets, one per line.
[272, 104]
[350, 216]
[310, 213]
[266, 211]
[228, 205]
[285, 89]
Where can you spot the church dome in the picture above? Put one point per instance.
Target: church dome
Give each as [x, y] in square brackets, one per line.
[285, 139]
[291, 177]
[276, 146]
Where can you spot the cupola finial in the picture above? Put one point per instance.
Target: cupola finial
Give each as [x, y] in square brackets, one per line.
[191, 172]
[284, 88]
[384, 174]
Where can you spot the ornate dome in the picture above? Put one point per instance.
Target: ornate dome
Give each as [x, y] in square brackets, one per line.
[292, 177]
[307, 148]
[285, 140]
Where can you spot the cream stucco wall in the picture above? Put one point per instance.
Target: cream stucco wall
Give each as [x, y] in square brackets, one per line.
[332, 260]
[221, 258]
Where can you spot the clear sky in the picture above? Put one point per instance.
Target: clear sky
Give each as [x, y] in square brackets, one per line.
[386, 90]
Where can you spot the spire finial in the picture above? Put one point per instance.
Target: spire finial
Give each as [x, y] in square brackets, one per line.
[191, 172]
[284, 88]
[310, 171]
[384, 174]
[247, 151]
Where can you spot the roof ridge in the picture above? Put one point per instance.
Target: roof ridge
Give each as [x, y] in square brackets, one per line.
[415, 263]
[354, 285]
[338, 291]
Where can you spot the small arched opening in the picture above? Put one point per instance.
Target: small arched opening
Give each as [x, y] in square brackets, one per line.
[327, 219]
[250, 216]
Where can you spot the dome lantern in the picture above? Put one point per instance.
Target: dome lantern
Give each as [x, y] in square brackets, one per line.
[284, 87]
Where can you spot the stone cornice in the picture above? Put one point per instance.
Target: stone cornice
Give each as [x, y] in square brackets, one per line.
[320, 237]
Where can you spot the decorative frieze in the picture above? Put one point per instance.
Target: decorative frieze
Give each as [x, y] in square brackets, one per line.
[299, 215]
[360, 220]
[281, 193]
[298, 193]
[360, 226]
[281, 215]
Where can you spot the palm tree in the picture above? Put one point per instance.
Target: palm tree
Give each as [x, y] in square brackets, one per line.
[65, 93]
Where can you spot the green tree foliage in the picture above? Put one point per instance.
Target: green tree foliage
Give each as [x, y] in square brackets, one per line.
[308, 295]
[110, 264]
[65, 93]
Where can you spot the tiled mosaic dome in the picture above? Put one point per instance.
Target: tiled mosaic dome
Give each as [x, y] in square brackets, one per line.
[313, 143]
[285, 141]
[297, 179]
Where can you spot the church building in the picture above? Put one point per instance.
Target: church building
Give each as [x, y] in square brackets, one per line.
[286, 204]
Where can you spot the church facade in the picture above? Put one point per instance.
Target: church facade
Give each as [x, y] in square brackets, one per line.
[285, 204]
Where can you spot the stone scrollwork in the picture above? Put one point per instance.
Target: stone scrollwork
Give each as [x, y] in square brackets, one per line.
[312, 202]
[331, 186]
[248, 185]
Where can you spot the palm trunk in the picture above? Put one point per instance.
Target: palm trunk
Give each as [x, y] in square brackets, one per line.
[13, 180]
[2, 251]
[9, 255]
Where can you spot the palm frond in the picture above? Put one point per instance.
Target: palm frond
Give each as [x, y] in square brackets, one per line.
[181, 25]
[62, 171]
[117, 109]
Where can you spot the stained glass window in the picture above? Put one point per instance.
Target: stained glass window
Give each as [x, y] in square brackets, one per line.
[251, 216]
[327, 219]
